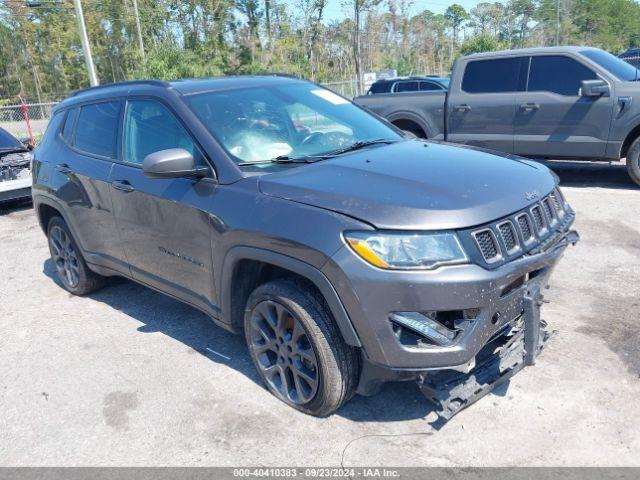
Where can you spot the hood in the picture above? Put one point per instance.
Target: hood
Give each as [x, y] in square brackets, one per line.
[415, 185]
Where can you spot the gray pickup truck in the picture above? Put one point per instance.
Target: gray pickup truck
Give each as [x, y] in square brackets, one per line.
[557, 103]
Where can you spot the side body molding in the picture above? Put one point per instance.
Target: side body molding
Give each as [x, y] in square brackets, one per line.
[311, 273]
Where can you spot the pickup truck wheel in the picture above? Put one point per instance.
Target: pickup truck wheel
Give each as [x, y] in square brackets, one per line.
[633, 161]
[297, 348]
[70, 266]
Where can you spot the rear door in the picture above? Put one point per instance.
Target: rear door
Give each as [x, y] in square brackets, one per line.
[481, 106]
[553, 119]
[80, 179]
[162, 222]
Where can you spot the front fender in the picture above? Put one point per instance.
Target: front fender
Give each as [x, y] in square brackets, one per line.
[236, 254]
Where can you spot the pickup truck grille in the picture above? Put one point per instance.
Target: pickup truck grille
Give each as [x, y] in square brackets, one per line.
[525, 231]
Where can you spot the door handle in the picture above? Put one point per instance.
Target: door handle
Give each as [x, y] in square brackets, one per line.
[529, 107]
[123, 186]
[63, 168]
[462, 108]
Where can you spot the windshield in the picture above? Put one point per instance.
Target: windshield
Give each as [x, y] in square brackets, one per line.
[617, 67]
[445, 82]
[8, 141]
[295, 121]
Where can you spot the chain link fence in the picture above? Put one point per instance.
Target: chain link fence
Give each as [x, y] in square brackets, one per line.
[632, 59]
[13, 119]
[346, 88]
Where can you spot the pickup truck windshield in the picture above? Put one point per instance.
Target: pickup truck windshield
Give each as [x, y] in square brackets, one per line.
[294, 121]
[617, 67]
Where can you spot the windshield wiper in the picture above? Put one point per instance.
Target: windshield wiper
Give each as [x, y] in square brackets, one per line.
[357, 146]
[278, 159]
[314, 158]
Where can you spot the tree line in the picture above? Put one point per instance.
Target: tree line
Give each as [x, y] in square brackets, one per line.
[41, 55]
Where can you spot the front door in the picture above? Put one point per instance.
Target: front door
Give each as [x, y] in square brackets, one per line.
[162, 222]
[553, 120]
[481, 108]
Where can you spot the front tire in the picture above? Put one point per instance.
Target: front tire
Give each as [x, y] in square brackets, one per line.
[297, 348]
[67, 258]
[633, 161]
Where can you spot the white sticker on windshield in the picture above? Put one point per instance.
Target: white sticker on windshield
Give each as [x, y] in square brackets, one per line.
[330, 96]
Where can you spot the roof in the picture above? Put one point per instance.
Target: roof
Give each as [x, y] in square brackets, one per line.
[529, 51]
[182, 87]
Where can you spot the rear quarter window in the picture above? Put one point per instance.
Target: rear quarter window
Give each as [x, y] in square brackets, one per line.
[97, 129]
[52, 130]
[380, 87]
[69, 122]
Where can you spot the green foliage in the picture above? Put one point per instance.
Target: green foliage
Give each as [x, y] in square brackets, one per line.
[481, 43]
[42, 59]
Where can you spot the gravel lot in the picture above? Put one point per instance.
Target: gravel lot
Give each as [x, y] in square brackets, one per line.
[127, 376]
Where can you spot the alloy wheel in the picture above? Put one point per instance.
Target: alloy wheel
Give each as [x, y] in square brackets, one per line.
[64, 257]
[283, 352]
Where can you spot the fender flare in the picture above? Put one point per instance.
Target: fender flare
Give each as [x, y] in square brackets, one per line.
[50, 202]
[404, 115]
[315, 276]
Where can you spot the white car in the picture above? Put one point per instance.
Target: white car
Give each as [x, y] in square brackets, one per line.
[15, 168]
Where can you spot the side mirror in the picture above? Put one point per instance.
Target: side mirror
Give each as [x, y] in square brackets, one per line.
[172, 163]
[594, 88]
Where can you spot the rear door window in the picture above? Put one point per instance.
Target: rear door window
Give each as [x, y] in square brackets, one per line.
[407, 87]
[429, 86]
[558, 74]
[97, 129]
[498, 75]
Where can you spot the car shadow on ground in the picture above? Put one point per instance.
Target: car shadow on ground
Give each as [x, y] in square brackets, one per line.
[159, 313]
[591, 174]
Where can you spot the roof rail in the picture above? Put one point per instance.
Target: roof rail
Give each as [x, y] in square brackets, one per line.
[277, 74]
[157, 83]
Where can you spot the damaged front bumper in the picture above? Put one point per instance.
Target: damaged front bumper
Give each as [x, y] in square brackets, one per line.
[492, 320]
[517, 346]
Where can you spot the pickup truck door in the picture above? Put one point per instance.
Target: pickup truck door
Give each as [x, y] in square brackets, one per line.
[162, 223]
[481, 107]
[553, 120]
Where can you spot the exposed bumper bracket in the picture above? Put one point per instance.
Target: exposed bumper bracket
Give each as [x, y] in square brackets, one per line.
[452, 391]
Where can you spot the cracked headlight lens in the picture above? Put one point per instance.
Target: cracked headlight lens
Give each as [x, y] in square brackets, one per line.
[408, 251]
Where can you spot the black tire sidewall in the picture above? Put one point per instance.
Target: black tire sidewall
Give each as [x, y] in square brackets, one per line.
[311, 315]
[633, 161]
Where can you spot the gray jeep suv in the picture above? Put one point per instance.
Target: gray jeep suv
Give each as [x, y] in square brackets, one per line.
[348, 254]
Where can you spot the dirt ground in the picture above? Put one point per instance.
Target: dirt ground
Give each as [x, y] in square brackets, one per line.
[127, 376]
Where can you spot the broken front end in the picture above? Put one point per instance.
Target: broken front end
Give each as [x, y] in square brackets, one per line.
[461, 330]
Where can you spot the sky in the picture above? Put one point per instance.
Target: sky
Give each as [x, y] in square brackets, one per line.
[336, 10]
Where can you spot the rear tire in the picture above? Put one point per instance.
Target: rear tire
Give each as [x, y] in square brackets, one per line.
[297, 348]
[633, 161]
[72, 270]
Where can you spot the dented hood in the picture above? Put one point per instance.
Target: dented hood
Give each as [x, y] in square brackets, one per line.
[415, 185]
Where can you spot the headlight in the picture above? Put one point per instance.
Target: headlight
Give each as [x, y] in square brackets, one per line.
[408, 251]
